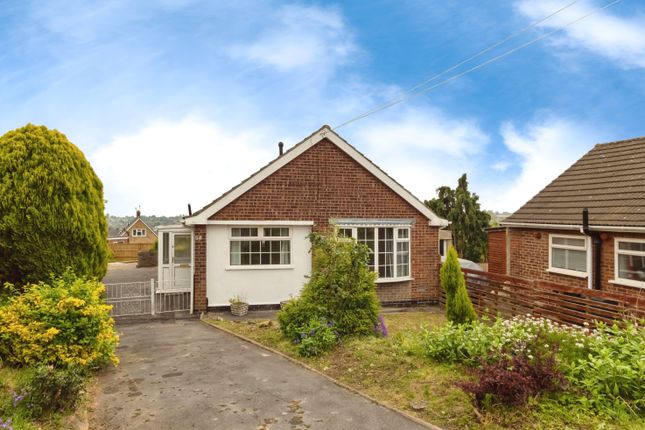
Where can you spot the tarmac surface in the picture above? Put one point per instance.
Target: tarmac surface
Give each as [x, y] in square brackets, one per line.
[183, 374]
[128, 272]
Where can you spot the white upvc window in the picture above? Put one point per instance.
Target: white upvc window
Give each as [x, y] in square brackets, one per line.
[629, 261]
[139, 232]
[260, 246]
[568, 254]
[389, 249]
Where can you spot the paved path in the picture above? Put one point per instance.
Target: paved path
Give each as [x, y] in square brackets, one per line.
[182, 374]
[128, 272]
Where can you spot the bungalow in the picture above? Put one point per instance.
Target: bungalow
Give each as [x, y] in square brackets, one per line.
[586, 228]
[252, 240]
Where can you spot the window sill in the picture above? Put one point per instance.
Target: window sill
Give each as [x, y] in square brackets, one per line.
[567, 272]
[261, 267]
[627, 283]
[390, 280]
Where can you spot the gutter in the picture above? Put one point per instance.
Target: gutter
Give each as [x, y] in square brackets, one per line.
[607, 228]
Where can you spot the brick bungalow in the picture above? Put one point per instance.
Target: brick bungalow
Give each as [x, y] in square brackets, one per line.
[551, 239]
[252, 240]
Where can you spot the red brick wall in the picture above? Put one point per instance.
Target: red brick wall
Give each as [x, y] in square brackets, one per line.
[324, 183]
[199, 279]
[496, 256]
[530, 259]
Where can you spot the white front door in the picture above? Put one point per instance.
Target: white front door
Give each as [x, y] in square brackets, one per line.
[176, 260]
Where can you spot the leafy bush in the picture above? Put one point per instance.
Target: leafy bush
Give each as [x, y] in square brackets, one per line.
[341, 289]
[316, 337]
[62, 323]
[51, 208]
[50, 390]
[459, 308]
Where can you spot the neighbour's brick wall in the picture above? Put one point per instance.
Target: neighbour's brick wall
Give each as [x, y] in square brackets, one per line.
[324, 183]
[199, 279]
[496, 255]
[530, 259]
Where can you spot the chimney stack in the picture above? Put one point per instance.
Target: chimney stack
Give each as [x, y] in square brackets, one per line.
[281, 148]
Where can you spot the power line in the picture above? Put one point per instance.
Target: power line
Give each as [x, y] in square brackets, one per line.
[413, 92]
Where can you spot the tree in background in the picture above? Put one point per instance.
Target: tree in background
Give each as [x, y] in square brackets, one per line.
[467, 220]
[459, 308]
[51, 208]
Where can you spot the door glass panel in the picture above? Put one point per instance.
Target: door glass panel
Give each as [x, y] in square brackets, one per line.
[182, 249]
[166, 247]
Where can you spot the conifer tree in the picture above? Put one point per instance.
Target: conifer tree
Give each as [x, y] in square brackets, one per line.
[459, 308]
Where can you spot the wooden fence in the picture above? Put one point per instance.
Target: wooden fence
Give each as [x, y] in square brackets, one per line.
[494, 294]
[128, 251]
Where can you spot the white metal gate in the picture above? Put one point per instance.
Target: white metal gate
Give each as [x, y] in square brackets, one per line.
[147, 298]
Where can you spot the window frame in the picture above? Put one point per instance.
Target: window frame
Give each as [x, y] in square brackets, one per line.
[564, 271]
[261, 237]
[139, 232]
[396, 240]
[617, 251]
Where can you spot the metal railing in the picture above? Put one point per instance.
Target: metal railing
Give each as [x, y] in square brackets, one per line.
[148, 298]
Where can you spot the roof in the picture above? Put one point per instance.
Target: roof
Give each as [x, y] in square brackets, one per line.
[325, 132]
[125, 230]
[609, 180]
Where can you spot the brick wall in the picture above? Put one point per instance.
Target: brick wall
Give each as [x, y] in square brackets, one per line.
[496, 255]
[324, 183]
[199, 279]
[530, 258]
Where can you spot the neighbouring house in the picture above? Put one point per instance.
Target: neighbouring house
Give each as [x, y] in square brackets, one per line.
[137, 236]
[586, 228]
[253, 240]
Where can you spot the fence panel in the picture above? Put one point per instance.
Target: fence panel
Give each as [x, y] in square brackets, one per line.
[129, 298]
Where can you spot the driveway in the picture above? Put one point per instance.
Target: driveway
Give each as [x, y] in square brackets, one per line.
[183, 374]
[128, 272]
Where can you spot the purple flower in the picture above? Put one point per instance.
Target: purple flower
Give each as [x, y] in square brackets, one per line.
[380, 328]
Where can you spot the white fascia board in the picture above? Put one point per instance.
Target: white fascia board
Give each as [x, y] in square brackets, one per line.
[325, 132]
[260, 222]
[608, 228]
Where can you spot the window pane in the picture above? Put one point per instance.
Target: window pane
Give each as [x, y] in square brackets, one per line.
[276, 232]
[244, 232]
[386, 252]
[404, 233]
[366, 237]
[631, 267]
[577, 260]
[559, 258]
[568, 241]
[632, 246]
[403, 259]
[344, 232]
[166, 248]
[182, 248]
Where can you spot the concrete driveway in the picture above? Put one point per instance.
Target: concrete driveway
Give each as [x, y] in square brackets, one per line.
[128, 272]
[182, 374]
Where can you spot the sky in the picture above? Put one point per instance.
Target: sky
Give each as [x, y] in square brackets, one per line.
[176, 101]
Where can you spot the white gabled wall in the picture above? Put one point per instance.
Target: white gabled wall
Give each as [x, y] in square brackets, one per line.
[259, 285]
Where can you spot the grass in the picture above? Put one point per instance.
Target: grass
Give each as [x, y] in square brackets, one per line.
[384, 369]
[9, 379]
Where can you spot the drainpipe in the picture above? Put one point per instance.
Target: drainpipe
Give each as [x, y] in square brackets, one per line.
[593, 282]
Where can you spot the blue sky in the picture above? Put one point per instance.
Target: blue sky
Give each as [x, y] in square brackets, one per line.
[175, 101]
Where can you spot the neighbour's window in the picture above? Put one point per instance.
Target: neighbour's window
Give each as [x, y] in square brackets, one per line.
[138, 232]
[630, 261]
[568, 254]
[389, 249]
[253, 246]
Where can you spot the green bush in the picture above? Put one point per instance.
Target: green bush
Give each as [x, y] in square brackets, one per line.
[62, 323]
[51, 208]
[316, 337]
[341, 289]
[48, 390]
[459, 308]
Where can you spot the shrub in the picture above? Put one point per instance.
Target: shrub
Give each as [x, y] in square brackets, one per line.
[316, 337]
[459, 308]
[50, 390]
[341, 289]
[62, 323]
[51, 208]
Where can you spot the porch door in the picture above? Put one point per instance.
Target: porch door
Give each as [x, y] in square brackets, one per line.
[177, 261]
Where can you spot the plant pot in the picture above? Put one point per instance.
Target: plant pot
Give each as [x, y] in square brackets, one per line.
[239, 309]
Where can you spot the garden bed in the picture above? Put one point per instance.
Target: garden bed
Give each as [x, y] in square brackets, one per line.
[389, 370]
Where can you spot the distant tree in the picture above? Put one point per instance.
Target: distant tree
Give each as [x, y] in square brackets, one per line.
[459, 308]
[51, 208]
[467, 220]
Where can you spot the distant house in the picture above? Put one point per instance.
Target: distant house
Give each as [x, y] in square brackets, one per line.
[138, 232]
[252, 240]
[586, 228]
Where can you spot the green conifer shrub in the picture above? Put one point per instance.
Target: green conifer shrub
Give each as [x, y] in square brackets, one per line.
[459, 308]
[51, 208]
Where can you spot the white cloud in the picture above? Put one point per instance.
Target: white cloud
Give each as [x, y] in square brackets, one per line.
[619, 39]
[167, 165]
[299, 37]
[544, 149]
[501, 166]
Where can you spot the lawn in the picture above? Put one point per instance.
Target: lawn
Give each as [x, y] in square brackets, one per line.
[387, 370]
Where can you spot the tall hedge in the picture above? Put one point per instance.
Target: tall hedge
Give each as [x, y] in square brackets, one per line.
[51, 208]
